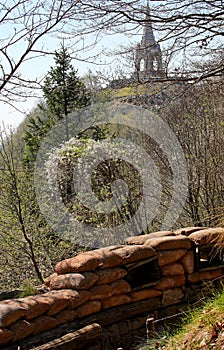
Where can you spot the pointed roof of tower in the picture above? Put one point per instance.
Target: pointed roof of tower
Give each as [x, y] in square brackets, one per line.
[148, 38]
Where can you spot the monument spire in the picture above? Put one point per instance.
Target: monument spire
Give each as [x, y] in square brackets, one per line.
[148, 51]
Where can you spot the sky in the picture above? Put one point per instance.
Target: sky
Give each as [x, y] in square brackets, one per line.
[38, 67]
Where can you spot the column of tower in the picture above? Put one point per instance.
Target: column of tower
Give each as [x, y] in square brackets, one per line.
[148, 51]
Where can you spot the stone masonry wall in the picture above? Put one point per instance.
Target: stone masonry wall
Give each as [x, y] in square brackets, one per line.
[149, 272]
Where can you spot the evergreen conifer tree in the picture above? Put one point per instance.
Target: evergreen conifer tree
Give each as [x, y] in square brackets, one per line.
[63, 93]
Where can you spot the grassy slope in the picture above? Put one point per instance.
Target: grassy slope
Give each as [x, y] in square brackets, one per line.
[202, 329]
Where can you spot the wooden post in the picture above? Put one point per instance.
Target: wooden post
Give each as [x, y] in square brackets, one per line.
[76, 340]
[150, 328]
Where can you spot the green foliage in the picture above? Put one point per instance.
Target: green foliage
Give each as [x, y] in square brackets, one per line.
[63, 93]
[28, 288]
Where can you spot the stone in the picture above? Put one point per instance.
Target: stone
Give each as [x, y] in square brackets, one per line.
[115, 301]
[209, 235]
[102, 291]
[170, 282]
[143, 238]
[186, 231]
[43, 323]
[172, 296]
[167, 243]
[66, 316]
[188, 262]
[110, 275]
[120, 287]
[5, 336]
[204, 275]
[91, 307]
[170, 256]
[21, 329]
[174, 269]
[11, 311]
[73, 281]
[144, 294]
[82, 262]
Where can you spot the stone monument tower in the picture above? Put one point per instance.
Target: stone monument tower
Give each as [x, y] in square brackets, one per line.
[148, 55]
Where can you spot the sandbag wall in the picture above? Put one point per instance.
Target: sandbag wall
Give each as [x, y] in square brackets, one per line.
[149, 272]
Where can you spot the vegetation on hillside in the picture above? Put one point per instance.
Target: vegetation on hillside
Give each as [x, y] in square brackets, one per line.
[202, 328]
[30, 246]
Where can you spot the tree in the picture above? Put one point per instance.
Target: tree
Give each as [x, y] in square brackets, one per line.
[187, 28]
[64, 92]
[197, 119]
[29, 247]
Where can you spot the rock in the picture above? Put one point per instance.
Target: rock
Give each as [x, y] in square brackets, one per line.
[144, 294]
[170, 282]
[11, 311]
[73, 281]
[172, 296]
[143, 238]
[204, 275]
[110, 275]
[188, 262]
[86, 261]
[186, 231]
[167, 243]
[170, 256]
[204, 237]
[91, 307]
[21, 329]
[115, 301]
[172, 269]
[102, 291]
[5, 336]
[120, 287]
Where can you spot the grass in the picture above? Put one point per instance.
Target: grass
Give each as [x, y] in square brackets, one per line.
[202, 328]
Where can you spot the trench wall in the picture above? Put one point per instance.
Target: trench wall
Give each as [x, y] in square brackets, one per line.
[117, 287]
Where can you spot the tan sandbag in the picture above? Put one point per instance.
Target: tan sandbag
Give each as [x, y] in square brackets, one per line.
[89, 308]
[101, 291]
[174, 269]
[73, 281]
[66, 316]
[141, 239]
[167, 243]
[5, 336]
[21, 329]
[115, 301]
[166, 257]
[108, 276]
[144, 294]
[120, 287]
[44, 323]
[11, 311]
[209, 235]
[170, 282]
[86, 261]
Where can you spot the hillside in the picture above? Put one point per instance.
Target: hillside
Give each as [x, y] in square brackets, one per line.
[202, 329]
